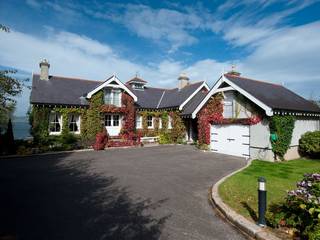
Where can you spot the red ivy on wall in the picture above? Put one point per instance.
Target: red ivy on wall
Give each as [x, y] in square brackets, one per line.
[213, 113]
[129, 116]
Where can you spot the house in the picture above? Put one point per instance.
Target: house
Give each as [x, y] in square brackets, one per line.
[250, 105]
[152, 109]
[232, 117]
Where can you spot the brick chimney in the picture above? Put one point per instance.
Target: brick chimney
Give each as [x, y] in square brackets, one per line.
[183, 80]
[44, 69]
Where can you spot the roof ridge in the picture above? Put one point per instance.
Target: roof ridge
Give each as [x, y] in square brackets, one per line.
[255, 80]
[72, 78]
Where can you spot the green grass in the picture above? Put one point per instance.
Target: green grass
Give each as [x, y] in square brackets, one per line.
[240, 190]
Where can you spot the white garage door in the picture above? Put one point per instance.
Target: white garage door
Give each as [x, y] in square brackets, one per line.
[230, 139]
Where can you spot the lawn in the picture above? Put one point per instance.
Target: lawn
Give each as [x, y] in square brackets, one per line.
[240, 190]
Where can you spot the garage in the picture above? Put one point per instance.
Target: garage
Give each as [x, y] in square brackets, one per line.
[230, 139]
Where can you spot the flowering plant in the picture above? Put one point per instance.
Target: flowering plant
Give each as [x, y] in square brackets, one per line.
[301, 209]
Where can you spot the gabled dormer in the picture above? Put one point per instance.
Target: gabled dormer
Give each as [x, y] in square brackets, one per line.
[112, 88]
[137, 83]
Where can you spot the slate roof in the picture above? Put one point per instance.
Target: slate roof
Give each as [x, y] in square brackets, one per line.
[273, 95]
[189, 108]
[164, 98]
[60, 90]
[67, 91]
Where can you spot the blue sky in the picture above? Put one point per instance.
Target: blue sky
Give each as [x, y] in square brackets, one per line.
[272, 40]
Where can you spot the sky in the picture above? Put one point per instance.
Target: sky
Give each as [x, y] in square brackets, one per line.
[271, 40]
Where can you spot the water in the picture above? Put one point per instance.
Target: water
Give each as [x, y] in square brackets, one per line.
[21, 128]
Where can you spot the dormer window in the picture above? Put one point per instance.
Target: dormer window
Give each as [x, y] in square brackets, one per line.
[138, 86]
[112, 97]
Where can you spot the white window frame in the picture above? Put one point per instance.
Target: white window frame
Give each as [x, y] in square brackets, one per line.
[138, 121]
[160, 123]
[150, 127]
[112, 93]
[51, 121]
[169, 122]
[112, 120]
[225, 113]
[77, 122]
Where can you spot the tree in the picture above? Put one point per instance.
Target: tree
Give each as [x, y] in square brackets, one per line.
[10, 138]
[10, 87]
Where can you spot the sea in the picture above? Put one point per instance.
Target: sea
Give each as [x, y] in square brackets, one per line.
[21, 128]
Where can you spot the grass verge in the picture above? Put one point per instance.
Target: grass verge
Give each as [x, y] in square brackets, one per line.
[240, 190]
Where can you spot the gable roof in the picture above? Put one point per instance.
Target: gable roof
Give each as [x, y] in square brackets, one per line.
[189, 108]
[112, 81]
[60, 90]
[274, 95]
[268, 96]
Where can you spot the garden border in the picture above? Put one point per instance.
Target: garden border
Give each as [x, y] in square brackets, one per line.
[244, 225]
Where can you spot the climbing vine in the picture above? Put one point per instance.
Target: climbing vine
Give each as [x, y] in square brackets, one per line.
[39, 121]
[164, 121]
[212, 113]
[178, 127]
[281, 127]
[93, 122]
[129, 116]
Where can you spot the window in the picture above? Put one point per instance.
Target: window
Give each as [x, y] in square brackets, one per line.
[112, 120]
[228, 109]
[160, 123]
[74, 123]
[138, 121]
[169, 122]
[116, 120]
[108, 120]
[112, 97]
[149, 121]
[55, 123]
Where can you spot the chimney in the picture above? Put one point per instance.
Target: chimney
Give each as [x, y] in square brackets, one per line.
[183, 80]
[44, 69]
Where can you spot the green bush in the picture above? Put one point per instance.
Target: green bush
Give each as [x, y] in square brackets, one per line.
[165, 138]
[309, 144]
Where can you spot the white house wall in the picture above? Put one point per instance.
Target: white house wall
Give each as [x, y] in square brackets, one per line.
[301, 126]
[241, 106]
[260, 146]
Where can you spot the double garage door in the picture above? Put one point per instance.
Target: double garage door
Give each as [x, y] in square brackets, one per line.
[230, 139]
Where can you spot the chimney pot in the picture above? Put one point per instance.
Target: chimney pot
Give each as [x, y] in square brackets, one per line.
[44, 69]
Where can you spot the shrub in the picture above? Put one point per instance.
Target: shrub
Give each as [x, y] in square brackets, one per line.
[68, 138]
[301, 209]
[309, 144]
[165, 138]
[101, 141]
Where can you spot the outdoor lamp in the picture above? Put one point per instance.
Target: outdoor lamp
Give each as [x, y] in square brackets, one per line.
[262, 201]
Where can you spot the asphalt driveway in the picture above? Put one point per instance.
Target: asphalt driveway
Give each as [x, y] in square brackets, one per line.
[142, 193]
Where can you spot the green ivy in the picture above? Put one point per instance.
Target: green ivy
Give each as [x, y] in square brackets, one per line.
[92, 122]
[283, 127]
[39, 121]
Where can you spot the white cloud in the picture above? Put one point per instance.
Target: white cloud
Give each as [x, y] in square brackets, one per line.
[160, 25]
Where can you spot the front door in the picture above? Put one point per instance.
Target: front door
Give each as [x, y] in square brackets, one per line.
[112, 123]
